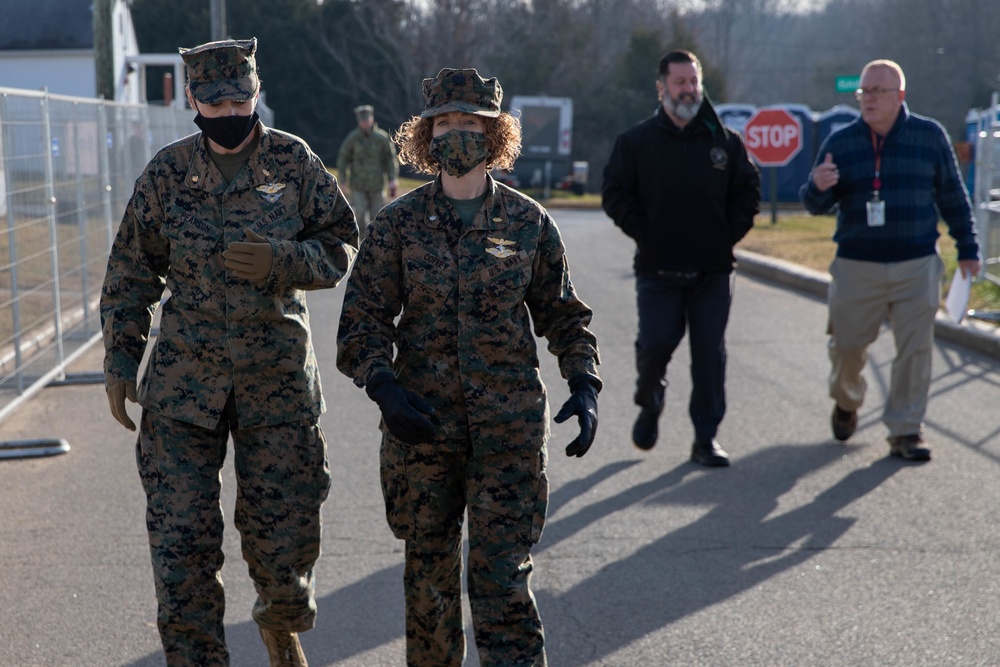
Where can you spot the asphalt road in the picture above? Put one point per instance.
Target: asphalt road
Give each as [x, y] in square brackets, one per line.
[804, 552]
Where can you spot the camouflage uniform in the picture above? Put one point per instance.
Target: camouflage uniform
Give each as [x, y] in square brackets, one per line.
[233, 357]
[464, 343]
[365, 161]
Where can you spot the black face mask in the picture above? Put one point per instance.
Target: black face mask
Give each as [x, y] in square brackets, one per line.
[227, 131]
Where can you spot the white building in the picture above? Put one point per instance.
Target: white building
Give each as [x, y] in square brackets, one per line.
[50, 44]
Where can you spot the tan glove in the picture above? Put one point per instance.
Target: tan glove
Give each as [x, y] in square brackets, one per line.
[251, 260]
[117, 393]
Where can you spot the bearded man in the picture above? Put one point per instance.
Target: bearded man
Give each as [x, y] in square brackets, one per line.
[681, 185]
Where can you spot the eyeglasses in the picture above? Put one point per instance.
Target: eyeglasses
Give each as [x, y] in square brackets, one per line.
[874, 92]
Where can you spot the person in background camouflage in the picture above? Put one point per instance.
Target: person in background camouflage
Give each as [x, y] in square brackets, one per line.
[366, 159]
[236, 222]
[463, 261]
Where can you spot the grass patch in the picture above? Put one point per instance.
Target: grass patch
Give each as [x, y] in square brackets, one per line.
[557, 198]
[807, 240]
[564, 199]
[800, 238]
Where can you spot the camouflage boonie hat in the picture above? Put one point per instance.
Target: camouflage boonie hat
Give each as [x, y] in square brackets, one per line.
[224, 70]
[461, 90]
[364, 111]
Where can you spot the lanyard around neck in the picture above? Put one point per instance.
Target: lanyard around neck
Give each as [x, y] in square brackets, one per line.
[877, 144]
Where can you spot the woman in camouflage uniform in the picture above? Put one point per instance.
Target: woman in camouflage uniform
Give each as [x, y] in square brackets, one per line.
[462, 262]
[237, 222]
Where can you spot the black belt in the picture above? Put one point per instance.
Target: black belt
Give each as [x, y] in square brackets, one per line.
[677, 275]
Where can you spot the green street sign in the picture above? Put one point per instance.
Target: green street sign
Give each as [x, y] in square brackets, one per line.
[848, 84]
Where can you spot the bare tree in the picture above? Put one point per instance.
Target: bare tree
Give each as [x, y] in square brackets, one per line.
[743, 37]
[361, 54]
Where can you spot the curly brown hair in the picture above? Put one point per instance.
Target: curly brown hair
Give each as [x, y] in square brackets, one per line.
[503, 140]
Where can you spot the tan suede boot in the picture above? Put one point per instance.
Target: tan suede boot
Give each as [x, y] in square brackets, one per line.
[283, 648]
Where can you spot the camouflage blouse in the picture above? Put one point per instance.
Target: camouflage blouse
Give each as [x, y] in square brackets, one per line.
[458, 306]
[218, 333]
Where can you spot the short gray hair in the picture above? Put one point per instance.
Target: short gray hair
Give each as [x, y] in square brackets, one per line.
[888, 64]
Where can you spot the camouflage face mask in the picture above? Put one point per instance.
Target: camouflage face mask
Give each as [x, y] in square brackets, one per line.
[459, 151]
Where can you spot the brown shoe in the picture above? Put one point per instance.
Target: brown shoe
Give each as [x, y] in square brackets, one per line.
[909, 447]
[844, 422]
[283, 648]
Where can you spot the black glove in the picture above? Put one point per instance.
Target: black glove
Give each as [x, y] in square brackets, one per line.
[582, 403]
[401, 410]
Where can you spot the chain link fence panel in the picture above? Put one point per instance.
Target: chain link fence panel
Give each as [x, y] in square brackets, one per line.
[67, 169]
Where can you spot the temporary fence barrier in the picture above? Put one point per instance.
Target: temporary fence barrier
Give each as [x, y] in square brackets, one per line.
[986, 191]
[67, 169]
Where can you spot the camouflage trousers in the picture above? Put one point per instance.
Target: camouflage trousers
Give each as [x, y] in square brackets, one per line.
[366, 203]
[282, 477]
[427, 491]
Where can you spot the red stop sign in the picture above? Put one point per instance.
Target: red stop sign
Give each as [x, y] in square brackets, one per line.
[773, 137]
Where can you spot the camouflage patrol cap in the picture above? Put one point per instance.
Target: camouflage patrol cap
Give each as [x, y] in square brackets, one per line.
[461, 90]
[364, 111]
[224, 70]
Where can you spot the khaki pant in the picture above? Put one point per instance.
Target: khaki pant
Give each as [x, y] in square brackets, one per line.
[862, 295]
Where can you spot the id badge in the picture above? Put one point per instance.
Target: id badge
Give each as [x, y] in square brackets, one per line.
[876, 213]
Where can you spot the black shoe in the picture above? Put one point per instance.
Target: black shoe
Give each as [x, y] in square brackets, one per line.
[843, 422]
[909, 447]
[645, 430]
[709, 454]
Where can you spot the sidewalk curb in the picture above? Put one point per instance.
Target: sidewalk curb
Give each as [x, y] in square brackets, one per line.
[969, 334]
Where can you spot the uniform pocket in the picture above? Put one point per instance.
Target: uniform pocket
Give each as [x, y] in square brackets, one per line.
[317, 463]
[195, 253]
[936, 275]
[426, 288]
[146, 461]
[511, 284]
[285, 228]
[541, 504]
[396, 488]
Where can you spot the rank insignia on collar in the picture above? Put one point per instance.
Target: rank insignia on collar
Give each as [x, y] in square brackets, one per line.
[501, 249]
[271, 192]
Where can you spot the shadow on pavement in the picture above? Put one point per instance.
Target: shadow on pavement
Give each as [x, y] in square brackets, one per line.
[351, 621]
[735, 546]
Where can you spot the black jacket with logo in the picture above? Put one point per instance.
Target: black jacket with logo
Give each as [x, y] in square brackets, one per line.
[686, 196]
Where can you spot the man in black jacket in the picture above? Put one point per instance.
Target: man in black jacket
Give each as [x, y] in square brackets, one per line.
[682, 186]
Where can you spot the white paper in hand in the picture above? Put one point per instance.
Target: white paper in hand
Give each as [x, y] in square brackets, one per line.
[958, 295]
